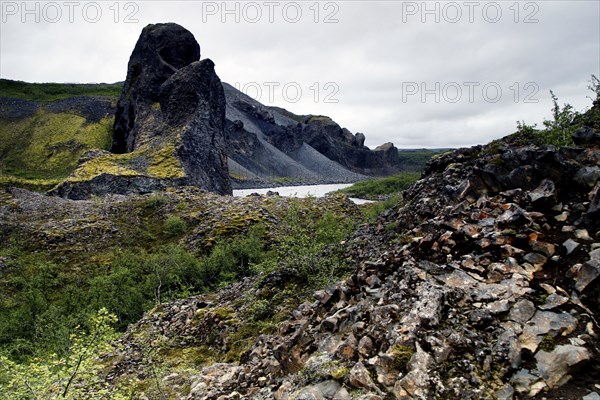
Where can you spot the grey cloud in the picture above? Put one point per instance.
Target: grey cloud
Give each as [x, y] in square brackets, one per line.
[370, 54]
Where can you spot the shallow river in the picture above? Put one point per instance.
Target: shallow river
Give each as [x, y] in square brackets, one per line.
[299, 191]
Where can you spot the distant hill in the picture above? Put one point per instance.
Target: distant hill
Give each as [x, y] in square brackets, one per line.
[416, 159]
[48, 92]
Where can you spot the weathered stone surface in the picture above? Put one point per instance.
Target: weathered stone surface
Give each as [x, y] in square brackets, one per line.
[523, 382]
[194, 106]
[522, 311]
[544, 195]
[588, 176]
[593, 212]
[542, 323]
[570, 245]
[416, 383]
[591, 396]
[586, 274]
[359, 377]
[586, 136]
[554, 366]
[554, 300]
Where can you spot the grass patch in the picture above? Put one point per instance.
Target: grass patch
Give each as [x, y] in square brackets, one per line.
[48, 92]
[376, 189]
[401, 357]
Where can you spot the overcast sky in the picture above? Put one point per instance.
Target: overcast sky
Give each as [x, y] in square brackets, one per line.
[419, 74]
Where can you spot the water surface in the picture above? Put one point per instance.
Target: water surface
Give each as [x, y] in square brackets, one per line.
[300, 191]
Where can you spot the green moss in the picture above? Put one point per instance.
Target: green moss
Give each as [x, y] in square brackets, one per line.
[340, 373]
[547, 344]
[540, 299]
[162, 164]
[222, 313]
[38, 185]
[404, 238]
[237, 177]
[115, 164]
[319, 119]
[233, 222]
[48, 145]
[401, 357]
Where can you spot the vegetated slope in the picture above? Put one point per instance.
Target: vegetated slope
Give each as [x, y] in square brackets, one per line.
[481, 283]
[40, 144]
[62, 260]
[49, 92]
[416, 159]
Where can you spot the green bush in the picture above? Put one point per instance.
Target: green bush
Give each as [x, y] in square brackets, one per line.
[234, 259]
[309, 246]
[73, 375]
[559, 130]
[174, 226]
[156, 200]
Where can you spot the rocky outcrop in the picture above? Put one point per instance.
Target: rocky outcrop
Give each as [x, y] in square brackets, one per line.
[169, 123]
[264, 146]
[161, 51]
[15, 109]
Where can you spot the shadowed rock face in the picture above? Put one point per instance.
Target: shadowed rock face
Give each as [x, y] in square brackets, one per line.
[161, 50]
[193, 103]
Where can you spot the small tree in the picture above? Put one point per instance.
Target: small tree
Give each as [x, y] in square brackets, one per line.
[558, 130]
[74, 376]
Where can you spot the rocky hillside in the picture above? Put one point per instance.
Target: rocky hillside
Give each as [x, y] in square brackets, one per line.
[272, 142]
[481, 284]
